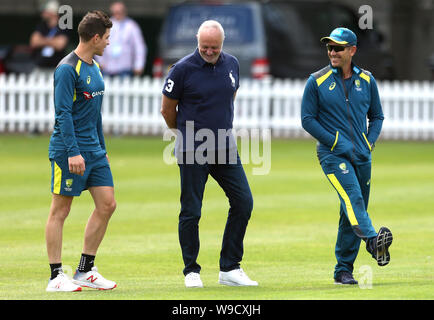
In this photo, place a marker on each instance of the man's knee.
(248, 203)
(108, 207)
(111, 207)
(244, 205)
(60, 207)
(59, 213)
(189, 215)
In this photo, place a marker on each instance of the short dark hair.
(94, 22)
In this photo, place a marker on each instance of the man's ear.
(95, 38)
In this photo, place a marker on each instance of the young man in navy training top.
(336, 102)
(78, 155)
(203, 86)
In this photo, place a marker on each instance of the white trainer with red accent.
(93, 279)
(62, 283)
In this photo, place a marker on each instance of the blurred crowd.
(49, 43)
(128, 51)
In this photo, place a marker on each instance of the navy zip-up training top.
(78, 93)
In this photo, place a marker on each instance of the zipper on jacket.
(349, 116)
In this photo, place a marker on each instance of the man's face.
(210, 43)
(101, 42)
(339, 59)
(118, 11)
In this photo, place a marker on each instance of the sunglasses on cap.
(331, 47)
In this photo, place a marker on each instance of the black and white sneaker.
(379, 246)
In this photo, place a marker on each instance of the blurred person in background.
(126, 55)
(48, 41)
(337, 102)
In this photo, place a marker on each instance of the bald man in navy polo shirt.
(203, 86)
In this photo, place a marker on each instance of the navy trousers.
(233, 181)
(352, 183)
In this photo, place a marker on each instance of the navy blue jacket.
(335, 112)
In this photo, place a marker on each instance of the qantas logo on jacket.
(89, 96)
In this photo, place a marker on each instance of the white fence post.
(132, 106)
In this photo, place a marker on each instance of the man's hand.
(76, 165)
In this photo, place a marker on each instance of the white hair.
(208, 24)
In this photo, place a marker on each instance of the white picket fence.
(132, 106)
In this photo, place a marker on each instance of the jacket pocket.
(367, 142)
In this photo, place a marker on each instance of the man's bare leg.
(59, 210)
(96, 227)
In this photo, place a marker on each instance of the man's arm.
(172, 91)
(309, 112)
(64, 84)
(58, 42)
(100, 133)
(375, 115)
(139, 50)
(168, 111)
(37, 40)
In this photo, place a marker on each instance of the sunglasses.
(331, 47)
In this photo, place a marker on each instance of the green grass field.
(289, 245)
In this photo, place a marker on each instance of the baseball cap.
(342, 36)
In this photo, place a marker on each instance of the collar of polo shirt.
(203, 63)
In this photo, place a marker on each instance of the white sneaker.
(92, 279)
(192, 280)
(62, 283)
(236, 277)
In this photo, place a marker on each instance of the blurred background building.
(405, 29)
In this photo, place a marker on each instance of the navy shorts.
(97, 173)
